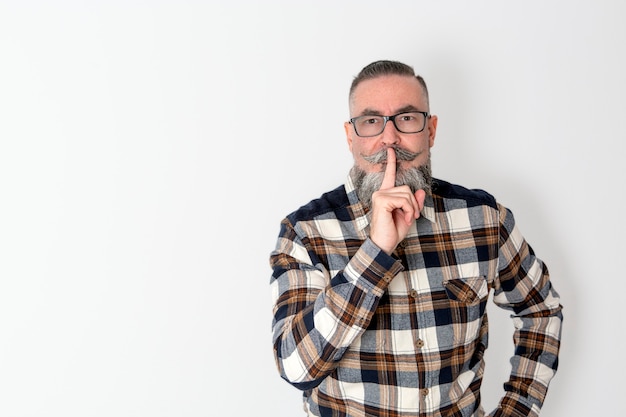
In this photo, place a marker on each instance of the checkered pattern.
(362, 333)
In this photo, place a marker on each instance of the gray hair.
(381, 68)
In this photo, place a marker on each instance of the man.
(380, 286)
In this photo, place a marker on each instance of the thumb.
(420, 196)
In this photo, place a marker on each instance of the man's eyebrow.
(407, 109)
(373, 112)
(370, 112)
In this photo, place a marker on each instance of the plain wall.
(149, 150)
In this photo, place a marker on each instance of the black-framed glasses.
(406, 122)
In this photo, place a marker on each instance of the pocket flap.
(467, 290)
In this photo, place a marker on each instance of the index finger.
(389, 179)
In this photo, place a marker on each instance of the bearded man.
(380, 286)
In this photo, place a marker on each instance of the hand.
(394, 209)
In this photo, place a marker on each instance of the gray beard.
(417, 178)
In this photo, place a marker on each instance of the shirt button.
(387, 278)
(419, 343)
(403, 244)
(424, 392)
(413, 293)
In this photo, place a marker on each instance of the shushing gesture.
(394, 209)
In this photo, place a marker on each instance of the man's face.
(387, 96)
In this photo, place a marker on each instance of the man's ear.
(432, 130)
(349, 131)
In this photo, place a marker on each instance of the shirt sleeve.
(523, 287)
(317, 316)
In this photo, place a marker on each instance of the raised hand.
(394, 209)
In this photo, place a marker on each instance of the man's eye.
(371, 121)
(407, 117)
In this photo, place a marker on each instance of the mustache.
(380, 157)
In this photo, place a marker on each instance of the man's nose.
(390, 134)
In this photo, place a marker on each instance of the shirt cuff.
(372, 268)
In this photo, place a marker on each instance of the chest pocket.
(469, 291)
(467, 301)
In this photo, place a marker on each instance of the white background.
(149, 150)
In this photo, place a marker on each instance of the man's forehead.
(378, 94)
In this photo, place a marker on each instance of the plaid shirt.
(363, 333)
